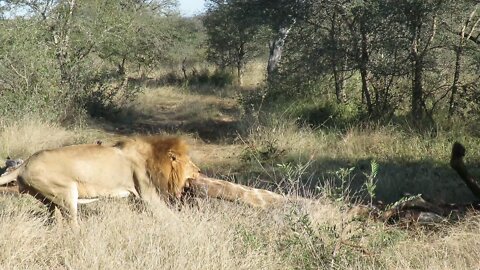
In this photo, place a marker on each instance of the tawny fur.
(215, 188)
(152, 168)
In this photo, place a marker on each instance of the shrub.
(327, 113)
(105, 99)
(221, 78)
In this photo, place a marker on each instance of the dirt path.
(210, 122)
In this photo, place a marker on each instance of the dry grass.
(255, 74)
(175, 104)
(24, 137)
(381, 143)
(115, 237)
(408, 162)
(387, 142)
(456, 247)
(223, 235)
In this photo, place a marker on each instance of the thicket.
(356, 60)
(65, 59)
(329, 62)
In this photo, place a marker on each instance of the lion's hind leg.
(63, 198)
(51, 206)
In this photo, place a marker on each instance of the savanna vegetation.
(344, 102)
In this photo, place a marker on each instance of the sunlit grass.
(223, 235)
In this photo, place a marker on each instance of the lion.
(151, 168)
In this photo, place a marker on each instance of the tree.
(466, 29)
(356, 16)
(232, 35)
(83, 42)
(418, 21)
(279, 16)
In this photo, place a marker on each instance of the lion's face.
(191, 172)
(185, 171)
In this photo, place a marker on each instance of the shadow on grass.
(212, 119)
(209, 130)
(395, 179)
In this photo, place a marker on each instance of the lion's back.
(86, 164)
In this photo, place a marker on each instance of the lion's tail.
(220, 189)
(10, 176)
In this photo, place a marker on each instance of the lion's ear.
(172, 156)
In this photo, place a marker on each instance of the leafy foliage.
(233, 36)
(70, 56)
(385, 58)
(370, 183)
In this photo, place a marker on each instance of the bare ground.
(210, 124)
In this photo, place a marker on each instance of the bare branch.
(456, 162)
(430, 38)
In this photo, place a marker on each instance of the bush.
(330, 114)
(221, 78)
(171, 78)
(305, 111)
(205, 77)
(105, 99)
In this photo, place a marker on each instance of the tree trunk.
(337, 74)
(240, 64)
(458, 58)
(417, 90)
(456, 79)
(240, 71)
(365, 90)
(364, 73)
(418, 62)
(339, 82)
(276, 49)
(61, 40)
(121, 67)
(184, 69)
(417, 78)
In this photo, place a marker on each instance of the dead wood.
(457, 163)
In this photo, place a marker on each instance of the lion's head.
(169, 164)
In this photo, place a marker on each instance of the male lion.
(152, 168)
